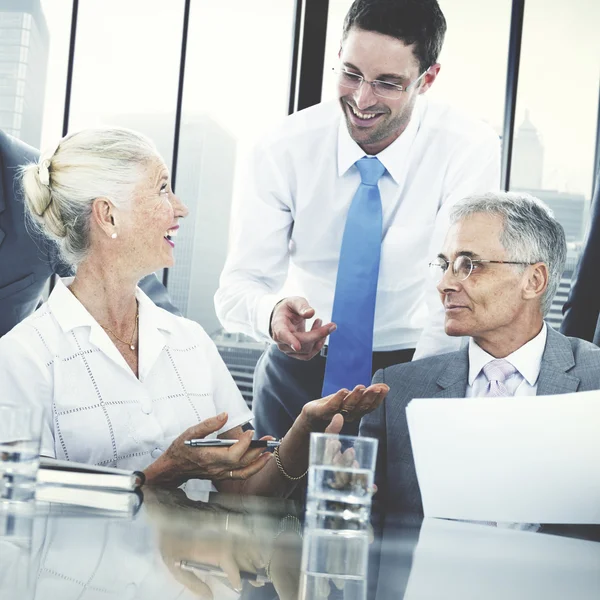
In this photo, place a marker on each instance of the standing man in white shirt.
(341, 211)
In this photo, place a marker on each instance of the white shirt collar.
(153, 321)
(393, 158)
(70, 313)
(527, 359)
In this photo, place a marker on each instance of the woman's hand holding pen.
(181, 462)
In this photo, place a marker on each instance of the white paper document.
(521, 459)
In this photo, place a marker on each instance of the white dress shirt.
(527, 360)
(288, 225)
(96, 410)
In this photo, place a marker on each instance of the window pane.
(474, 58)
(335, 20)
(126, 67)
(236, 87)
(556, 119)
(33, 65)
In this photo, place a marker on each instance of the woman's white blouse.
(96, 410)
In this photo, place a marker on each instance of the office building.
(24, 43)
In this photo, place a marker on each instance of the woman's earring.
(114, 235)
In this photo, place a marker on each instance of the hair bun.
(38, 199)
(44, 172)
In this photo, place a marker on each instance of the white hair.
(93, 163)
(531, 233)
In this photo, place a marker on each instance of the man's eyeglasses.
(463, 266)
(384, 89)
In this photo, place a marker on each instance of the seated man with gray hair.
(497, 274)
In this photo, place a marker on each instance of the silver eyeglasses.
(463, 266)
(384, 89)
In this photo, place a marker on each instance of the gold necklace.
(130, 343)
(135, 327)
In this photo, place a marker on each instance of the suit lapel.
(454, 378)
(556, 361)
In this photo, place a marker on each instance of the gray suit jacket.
(568, 365)
(27, 259)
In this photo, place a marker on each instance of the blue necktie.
(350, 351)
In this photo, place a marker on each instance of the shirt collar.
(393, 158)
(527, 359)
(70, 313)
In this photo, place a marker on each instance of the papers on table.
(521, 459)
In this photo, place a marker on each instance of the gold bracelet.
(283, 471)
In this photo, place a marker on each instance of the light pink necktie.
(497, 372)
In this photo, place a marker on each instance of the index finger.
(191, 582)
(284, 335)
(241, 452)
(367, 400)
(334, 401)
(227, 563)
(315, 335)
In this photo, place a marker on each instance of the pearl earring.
(114, 235)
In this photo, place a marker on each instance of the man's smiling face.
(375, 122)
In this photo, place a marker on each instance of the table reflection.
(258, 549)
(334, 564)
(454, 559)
(173, 548)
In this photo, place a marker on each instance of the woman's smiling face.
(151, 223)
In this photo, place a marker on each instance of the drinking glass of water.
(340, 478)
(20, 436)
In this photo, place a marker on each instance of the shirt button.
(130, 591)
(146, 408)
(156, 453)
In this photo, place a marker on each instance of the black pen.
(223, 443)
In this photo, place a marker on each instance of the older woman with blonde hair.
(123, 382)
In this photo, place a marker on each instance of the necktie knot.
(498, 370)
(370, 170)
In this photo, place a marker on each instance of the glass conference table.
(252, 548)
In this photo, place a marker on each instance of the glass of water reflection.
(20, 436)
(334, 564)
(340, 477)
